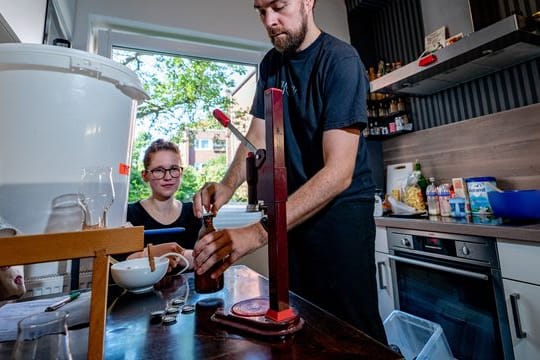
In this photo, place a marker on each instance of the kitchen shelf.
(483, 52)
(379, 126)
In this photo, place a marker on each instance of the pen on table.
(63, 302)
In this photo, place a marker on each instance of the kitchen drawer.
(524, 316)
(519, 260)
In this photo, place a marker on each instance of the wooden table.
(131, 334)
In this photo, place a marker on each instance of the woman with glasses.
(163, 173)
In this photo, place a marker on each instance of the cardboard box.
(460, 190)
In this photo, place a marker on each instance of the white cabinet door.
(519, 260)
(524, 316)
(384, 285)
(381, 239)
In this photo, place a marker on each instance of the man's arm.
(340, 148)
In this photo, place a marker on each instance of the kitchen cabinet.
(521, 280)
(384, 276)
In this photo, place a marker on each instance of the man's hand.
(227, 245)
(211, 197)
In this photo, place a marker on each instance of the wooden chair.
(99, 244)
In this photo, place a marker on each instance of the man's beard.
(292, 41)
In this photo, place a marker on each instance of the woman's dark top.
(138, 216)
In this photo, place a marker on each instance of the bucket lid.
(16, 56)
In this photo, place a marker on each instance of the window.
(170, 112)
(202, 144)
(220, 145)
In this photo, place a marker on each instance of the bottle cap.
(188, 309)
(168, 319)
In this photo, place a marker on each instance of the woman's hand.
(161, 249)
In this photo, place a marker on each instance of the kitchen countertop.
(483, 227)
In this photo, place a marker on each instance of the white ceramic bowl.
(135, 275)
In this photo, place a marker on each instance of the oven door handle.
(440, 267)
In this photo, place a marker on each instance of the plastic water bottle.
(444, 200)
(432, 198)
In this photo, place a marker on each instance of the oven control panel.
(452, 246)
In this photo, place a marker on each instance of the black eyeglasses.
(159, 173)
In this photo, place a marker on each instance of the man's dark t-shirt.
(318, 95)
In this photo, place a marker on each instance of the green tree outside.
(183, 92)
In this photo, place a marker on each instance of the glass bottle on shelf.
(371, 74)
(401, 104)
(432, 198)
(393, 107)
(382, 110)
(204, 282)
(380, 69)
(422, 182)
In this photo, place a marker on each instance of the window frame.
(201, 46)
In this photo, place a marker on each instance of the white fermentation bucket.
(61, 109)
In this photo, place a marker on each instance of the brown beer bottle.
(204, 283)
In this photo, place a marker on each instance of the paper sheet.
(12, 313)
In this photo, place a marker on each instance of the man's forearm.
(311, 197)
(339, 149)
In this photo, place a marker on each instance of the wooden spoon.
(151, 259)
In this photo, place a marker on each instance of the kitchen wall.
(504, 145)
(507, 89)
(219, 21)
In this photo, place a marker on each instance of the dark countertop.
(468, 226)
(130, 334)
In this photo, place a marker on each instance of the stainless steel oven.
(455, 281)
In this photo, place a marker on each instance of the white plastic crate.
(416, 338)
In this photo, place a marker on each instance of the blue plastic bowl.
(515, 204)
